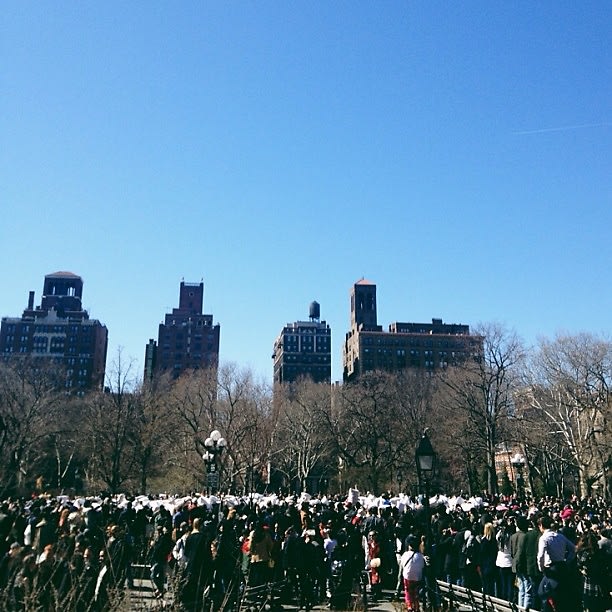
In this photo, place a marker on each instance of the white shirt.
(99, 581)
(554, 547)
(504, 557)
(178, 552)
(329, 545)
(412, 564)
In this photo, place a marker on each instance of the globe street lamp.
(426, 464)
(518, 463)
(425, 459)
(215, 443)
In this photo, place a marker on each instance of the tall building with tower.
(187, 339)
(59, 332)
(405, 345)
(303, 349)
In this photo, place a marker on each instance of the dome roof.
(62, 274)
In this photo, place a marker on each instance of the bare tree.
(570, 388)
(155, 430)
(413, 392)
(110, 427)
(29, 407)
(65, 448)
(244, 407)
(228, 400)
(480, 394)
(193, 397)
(302, 442)
(374, 424)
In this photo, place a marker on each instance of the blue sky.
(457, 154)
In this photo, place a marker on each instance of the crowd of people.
(62, 553)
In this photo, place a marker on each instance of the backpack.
(470, 550)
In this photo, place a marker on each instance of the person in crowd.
(24, 589)
(531, 560)
(52, 580)
(374, 563)
(161, 548)
(595, 573)
(102, 589)
(342, 573)
(198, 569)
(555, 552)
(291, 561)
(568, 524)
(487, 557)
(329, 546)
(429, 593)
(10, 564)
(460, 549)
(470, 553)
(260, 555)
(45, 531)
(310, 569)
(399, 550)
(374, 522)
(505, 576)
(228, 551)
(305, 517)
(84, 582)
(412, 565)
(518, 552)
(178, 550)
(450, 555)
(119, 557)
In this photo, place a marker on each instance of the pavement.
(142, 597)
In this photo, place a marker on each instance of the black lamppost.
(426, 464)
(518, 463)
(215, 443)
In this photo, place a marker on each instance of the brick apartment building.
(303, 349)
(59, 332)
(187, 339)
(405, 345)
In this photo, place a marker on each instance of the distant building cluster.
(60, 331)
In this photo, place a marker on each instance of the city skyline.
(455, 155)
(384, 326)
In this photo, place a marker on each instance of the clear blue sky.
(457, 154)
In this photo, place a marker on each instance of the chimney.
(31, 301)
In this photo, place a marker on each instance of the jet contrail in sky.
(564, 128)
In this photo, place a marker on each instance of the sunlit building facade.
(303, 350)
(59, 331)
(187, 339)
(404, 345)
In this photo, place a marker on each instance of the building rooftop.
(62, 274)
